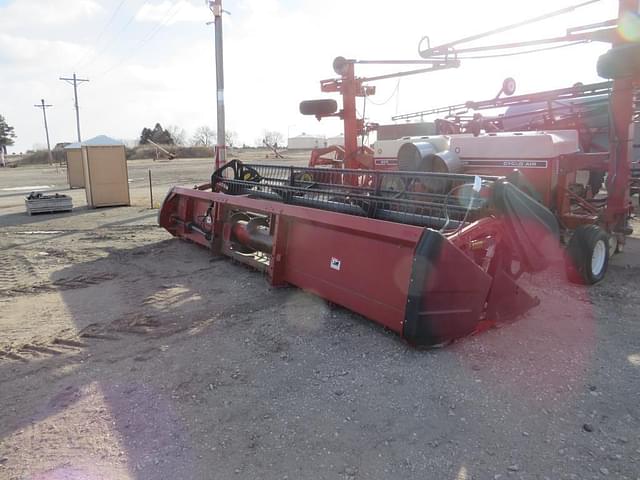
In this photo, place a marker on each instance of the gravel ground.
(126, 354)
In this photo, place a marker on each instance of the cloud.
(276, 52)
(169, 13)
(18, 15)
(23, 51)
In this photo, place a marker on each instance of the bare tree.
(272, 137)
(230, 137)
(178, 134)
(204, 136)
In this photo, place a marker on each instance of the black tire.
(586, 262)
(320, 108)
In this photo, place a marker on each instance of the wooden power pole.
(44, 107)
(74, 81)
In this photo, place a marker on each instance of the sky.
(151, 61)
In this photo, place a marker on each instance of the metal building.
(306, 142)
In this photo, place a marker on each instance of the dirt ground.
(126, 354)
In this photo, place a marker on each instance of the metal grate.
(436, 200)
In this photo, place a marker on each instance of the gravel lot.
(126, 354)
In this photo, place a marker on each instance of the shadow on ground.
(187, 366)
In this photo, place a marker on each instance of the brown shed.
(75, 172)
(105, 172)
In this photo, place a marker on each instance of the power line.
(135, 50)
(132, 18)
(114, 37)
(44, 107)
(102, 32)
(74, 81)
(115, 12)
(168, 17)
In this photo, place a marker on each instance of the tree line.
(203, 136)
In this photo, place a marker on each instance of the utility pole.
(74, 81)
(216, 8)
(44, 107)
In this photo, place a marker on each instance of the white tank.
(516, 145)
(386, 151)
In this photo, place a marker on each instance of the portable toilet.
(106, 178)
(75, 172)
